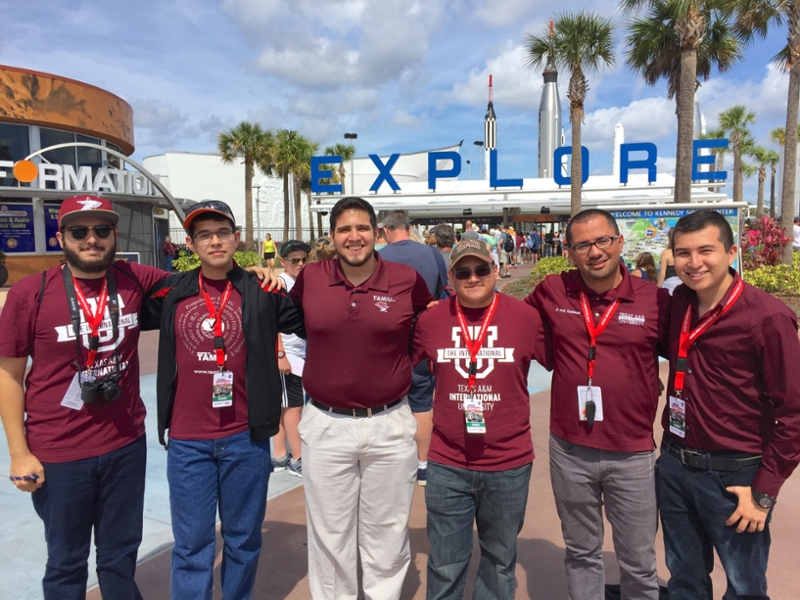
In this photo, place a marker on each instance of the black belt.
(358, 413)
(699, 460)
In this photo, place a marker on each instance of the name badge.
(72, 398)
(588, 394)
(222, 395)
(677, 416)
(473, 413)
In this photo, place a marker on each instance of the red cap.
(86, 205)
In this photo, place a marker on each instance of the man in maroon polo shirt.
(359, 456)
(732, 421)
(603, 346)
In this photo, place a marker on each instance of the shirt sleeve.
(442, 270)
(664, 300)
(542, 330)
(147, 276)
(17, 322)
(418, 353)
(290, 317)
(420, 295)
(781, 347)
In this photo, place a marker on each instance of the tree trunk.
(343, 177)
(683, 155)
(311, 218)
(298, 210)
(790, 146)
(285, 205)
(720, 166)
(772, 194)
(576, 170)
(250, 242)
(762, 177)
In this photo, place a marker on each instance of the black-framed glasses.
(297, 260)
(465, 273)
(223, 235)
(602, 243)
(79, 232)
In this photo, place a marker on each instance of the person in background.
(667, 276)
(445, 239)
(323, 250)
(491, 240)
(291, 360)
(796, 235)
(536, 245)
(380, 241)
(645, 267)
(268, 251)
(170, 251)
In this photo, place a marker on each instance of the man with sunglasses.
(219, 393)
(76, 432)
(481, 452)
(603, 331)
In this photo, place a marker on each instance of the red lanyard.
(92, 319)
(594, 332)
(687, 338)
(216, 314)
(474, 346)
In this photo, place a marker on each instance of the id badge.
(473, 412)
(677, 416)
(595, 394)
(72, 398)
(222, 395)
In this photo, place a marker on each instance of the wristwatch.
(763, 500)
(281, 353)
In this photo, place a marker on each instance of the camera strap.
(77, 302)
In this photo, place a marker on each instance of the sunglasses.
(79, 232)
(480, 271)
(297, 260)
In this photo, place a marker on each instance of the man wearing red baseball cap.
(76, 430)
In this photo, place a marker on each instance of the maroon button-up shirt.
(626, 367)
(358, 336)
(742, 386)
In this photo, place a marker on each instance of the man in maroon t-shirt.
(732, 419)
(76, 432)
(481, 451)
(359, 456)
(606, 329)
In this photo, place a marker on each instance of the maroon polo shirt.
(626, 367)
(742, 384)
(358, 336)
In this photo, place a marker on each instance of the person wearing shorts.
(268, 251)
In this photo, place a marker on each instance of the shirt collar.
(624, 291)
(379, 280)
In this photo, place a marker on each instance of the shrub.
(550, 266)
(777, 279)
(187, 261)
(762, 244)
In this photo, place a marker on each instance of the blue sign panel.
(16, 228)
(51, 227)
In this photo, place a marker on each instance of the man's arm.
(12, 412)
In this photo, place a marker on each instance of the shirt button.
(689, 371)
(352, 304)
(596, 314)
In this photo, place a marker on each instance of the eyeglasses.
(297, 260)
(223, 235)
(480, 271)
(79, 232)
(602, 243)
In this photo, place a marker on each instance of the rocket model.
(489, 131)
(549, 117)
(619, 139)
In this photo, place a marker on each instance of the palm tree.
(680, 41)
(302, 182)
(753, 18)
(581, 41)
(252, 144)
(718, 153)
(347, 152)
(735, 121)
(761, 156)
(773, 158)
(287, 158)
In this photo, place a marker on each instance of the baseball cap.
(293, 246)
(205, 207)
(469, 247)
(77, 207)
(483, 227)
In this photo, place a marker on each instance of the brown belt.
(357, 413)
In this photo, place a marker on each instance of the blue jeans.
(494, 500)
(104, 493)
(694, 507)
(231, 473)
(169, 258)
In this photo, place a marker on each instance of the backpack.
(508, 243)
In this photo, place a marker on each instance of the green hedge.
(550, 266)
(780, 279)
(187, 261)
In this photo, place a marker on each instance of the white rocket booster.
(549, 118)
(489, 131)
(619, 139)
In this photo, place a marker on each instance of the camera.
(106, 388)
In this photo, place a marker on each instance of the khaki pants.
(359, 477)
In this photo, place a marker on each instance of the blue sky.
(406, 75)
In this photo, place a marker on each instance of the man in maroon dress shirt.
(605, 337)
(359, 456)
(732, 420)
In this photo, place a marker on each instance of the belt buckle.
(682, 456)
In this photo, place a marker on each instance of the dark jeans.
(694, 506)
(232, 473)
(495, 501)
(104, 493)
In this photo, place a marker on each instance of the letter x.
(384, 172)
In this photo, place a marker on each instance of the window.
(14, 146)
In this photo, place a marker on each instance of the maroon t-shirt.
(742, 384)
(626, 368)
(57, 433)
(513, 339)
(193, 415)
(358, 336)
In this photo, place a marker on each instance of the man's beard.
(359, 263)
(97, 265)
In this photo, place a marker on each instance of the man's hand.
(749, 514)
(431, 304)
(269, 281)
(26, 466)
(284, 366)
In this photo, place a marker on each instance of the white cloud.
(646, 120)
